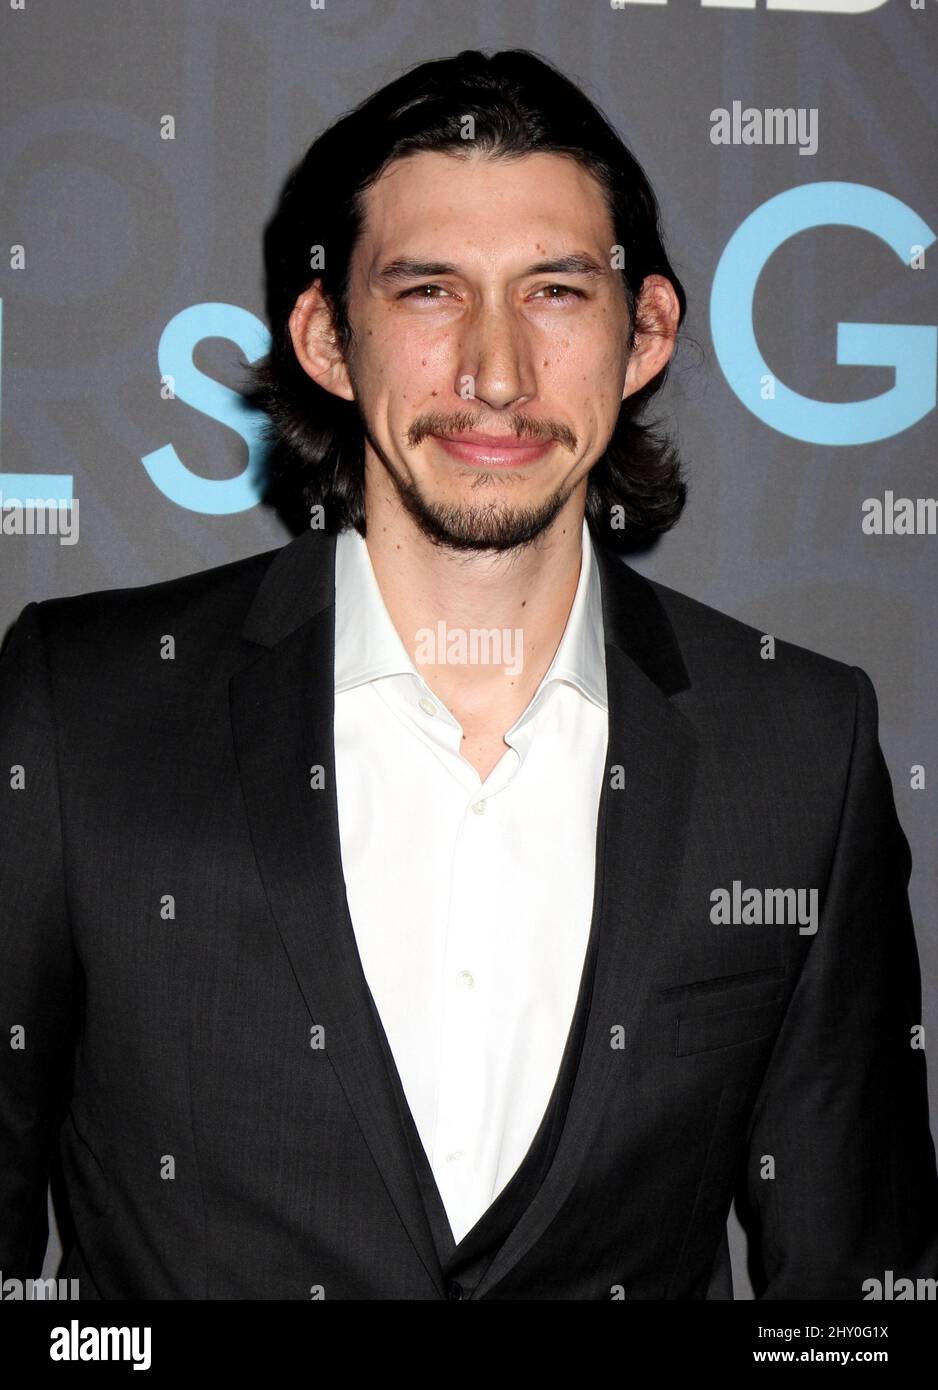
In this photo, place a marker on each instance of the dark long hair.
(520, 105)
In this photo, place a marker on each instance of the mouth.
(493, 450)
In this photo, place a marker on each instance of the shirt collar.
(367, 644)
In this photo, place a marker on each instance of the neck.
(524, 594)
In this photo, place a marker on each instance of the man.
(435, 907)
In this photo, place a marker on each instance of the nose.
(495, 365)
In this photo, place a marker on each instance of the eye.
(564, 292)
(421, 292)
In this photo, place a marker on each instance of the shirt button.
(479, 808)
(427, 705)
(465, 978)
(454, 1154)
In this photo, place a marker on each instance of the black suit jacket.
(175, 927)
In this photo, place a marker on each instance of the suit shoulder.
(718, 647)
(217, 598)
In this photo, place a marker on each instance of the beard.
(492, 525)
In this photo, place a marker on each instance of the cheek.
(587, 350)
(586, 375)
(608, 376)
(405, 362)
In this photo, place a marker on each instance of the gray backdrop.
(115, 238)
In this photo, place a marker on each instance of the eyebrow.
(399, 270)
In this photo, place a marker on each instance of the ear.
(316, 343)
(657, 316)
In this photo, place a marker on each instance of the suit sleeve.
(843, 1109)
(40, 977)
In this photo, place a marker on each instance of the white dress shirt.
(471, 901)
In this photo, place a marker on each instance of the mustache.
(522, 426)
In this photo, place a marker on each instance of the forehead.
(438, 203)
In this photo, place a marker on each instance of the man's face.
(483, 303)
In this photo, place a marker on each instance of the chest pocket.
(726, 1011)
(729, 1027)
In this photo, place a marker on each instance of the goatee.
(479, 527)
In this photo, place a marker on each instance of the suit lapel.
(282, 718)
(640, 844)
